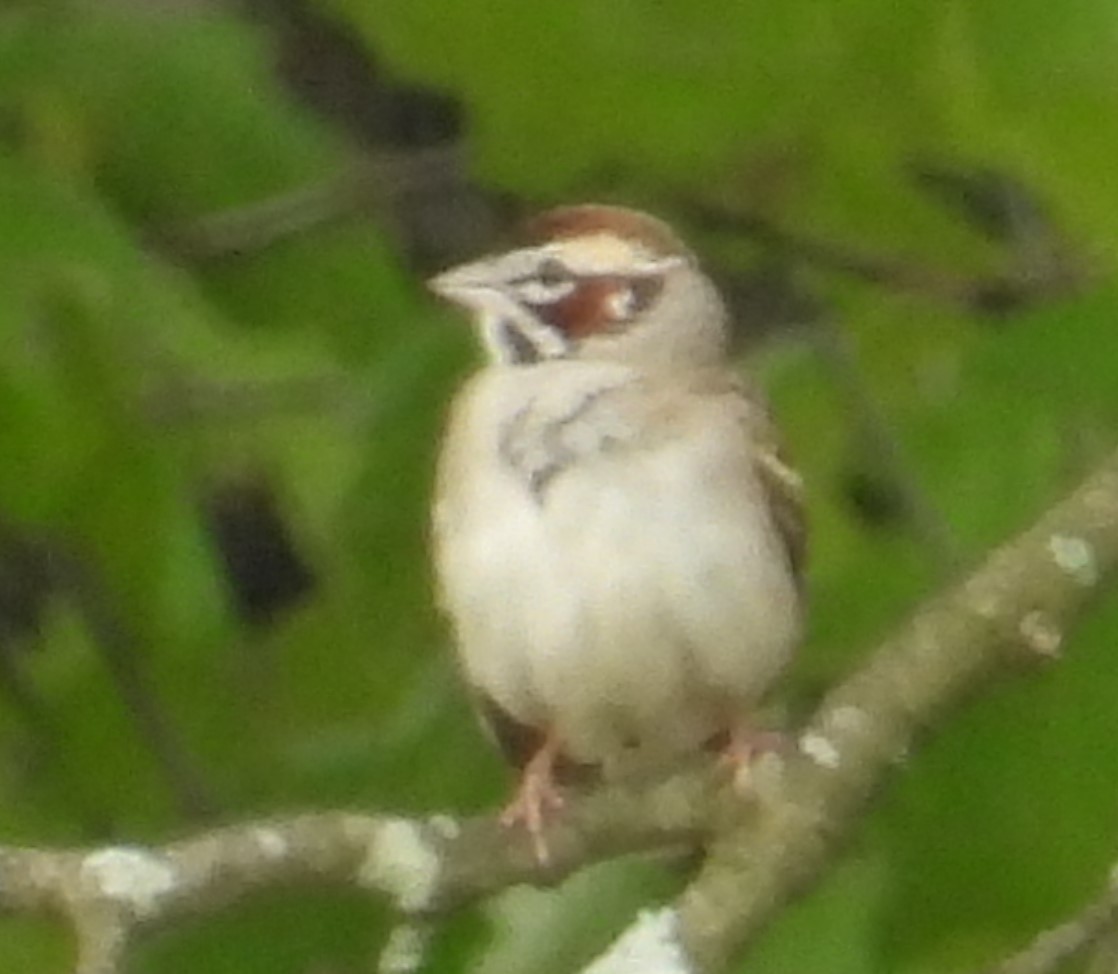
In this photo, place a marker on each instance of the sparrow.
(618, 539)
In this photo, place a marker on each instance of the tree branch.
(1042, 267)
(1015, 609)
(422, 865)
(1053, 948)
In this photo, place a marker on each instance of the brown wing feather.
(784, 491)
(516, 741)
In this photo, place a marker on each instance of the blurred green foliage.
(130, 387)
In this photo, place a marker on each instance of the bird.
(618, 537)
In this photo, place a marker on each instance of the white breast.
(642, 599)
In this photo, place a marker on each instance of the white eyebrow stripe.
(605, 254)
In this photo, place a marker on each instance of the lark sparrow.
(618, 540)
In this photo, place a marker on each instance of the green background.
(131, 385)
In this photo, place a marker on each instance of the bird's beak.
(467, 285)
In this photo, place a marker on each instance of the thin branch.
(122, 653)
(247, 229)
(102, 935)
(1021, 285)
(879, 442)
(371, 186)
(1053, 948)
(111, 894)
(186, 403)
(407, 948)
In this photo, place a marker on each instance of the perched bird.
(618, 541)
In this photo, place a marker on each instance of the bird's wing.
(783, 488)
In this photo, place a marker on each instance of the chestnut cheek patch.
(599, 304)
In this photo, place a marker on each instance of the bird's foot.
(745, 746)
(536, 796)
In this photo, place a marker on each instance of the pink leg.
(746, 744)
(536, 795)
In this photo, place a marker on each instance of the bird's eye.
(552, 273)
